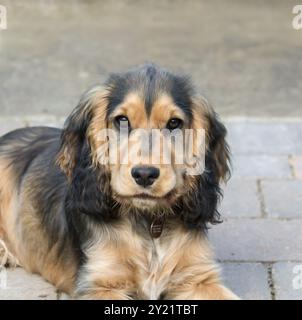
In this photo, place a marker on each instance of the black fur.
(89, 191)
(199, 206)
(150, 80)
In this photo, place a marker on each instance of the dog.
(99, 230)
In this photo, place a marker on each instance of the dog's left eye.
(174, 123)
(122, 121)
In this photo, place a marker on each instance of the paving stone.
(21, 285)
(296, 162)
(288, 280)
(10, 124)
(265, 137)
(261, 166)
(283, 198)
(257, 240)
(240, 199)
(248, 280)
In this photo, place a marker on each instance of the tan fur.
(171, 175)
(66, 158)
(163, 110)
(94, 105)
(123, 265)
(202, 112)
(133, 107)
(98, 123)
(23, 235)
(8, 206)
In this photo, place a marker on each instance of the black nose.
(145, 176)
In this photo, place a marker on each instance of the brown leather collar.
(156, 227)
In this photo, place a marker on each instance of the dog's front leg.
(202, 291)
(198, 282)
(100, 285)
(195, 274)
(102, 292)
(106, 276)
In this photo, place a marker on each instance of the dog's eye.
(174, 123)
(122, 121)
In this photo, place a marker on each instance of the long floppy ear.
(89, 184)
(199, 205)
(218, 152)
(91, 109)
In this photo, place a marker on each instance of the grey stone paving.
(265, 166)
(248, 280)
(19, 285)
(276, 204)
(288, 280)
(296, 162)
(266, 138)
(258, 240)
(241, 199)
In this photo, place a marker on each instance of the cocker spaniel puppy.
(101, 229)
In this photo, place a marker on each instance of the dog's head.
(146, 102)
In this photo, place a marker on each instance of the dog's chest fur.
(154, 282)
(134, 262)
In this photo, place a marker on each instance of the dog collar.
(156, 227)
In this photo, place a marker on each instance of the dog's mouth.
(145, 198)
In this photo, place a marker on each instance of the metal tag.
(156, 227)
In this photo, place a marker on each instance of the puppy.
(117, 229)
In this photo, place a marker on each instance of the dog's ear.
(89, 183)
(91, 108)
(199, 204)
(217, 148)
(89, 191)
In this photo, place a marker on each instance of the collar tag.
(156, 227)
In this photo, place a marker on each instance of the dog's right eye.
(122, 121)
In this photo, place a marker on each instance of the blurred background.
(244, 56)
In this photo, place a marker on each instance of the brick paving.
(259, 244)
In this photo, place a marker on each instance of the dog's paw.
(7, 259)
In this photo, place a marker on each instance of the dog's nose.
(145, 176)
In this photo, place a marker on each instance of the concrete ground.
(244, 55)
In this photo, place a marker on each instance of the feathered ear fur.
(218, 152)
(89, 191)
(218, 148)
(89, 183)
(199, 205)
(80, 126)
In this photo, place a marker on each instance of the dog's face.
(148, 100)
(142, 182)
